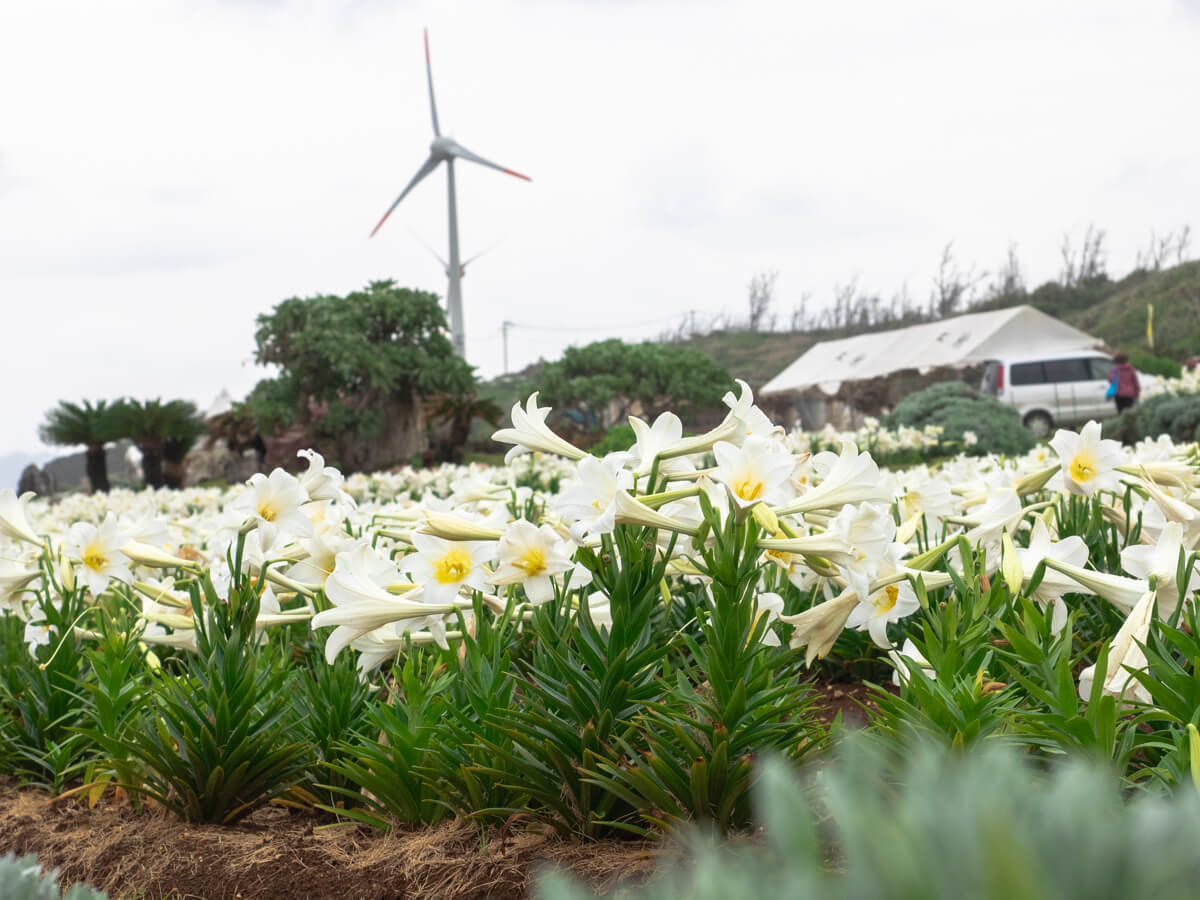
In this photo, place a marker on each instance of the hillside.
(1114, 311)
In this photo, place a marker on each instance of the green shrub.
(1175, 414)
(943, 825)
(618, 437)
(1154, 365)
(957, 408)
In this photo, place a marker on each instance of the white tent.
(960, 341)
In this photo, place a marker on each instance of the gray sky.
(169, 169)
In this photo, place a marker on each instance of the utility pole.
(504, 326)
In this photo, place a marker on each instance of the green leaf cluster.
(612, 374)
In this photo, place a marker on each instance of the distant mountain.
(13, 464)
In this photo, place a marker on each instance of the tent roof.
(1017, 330)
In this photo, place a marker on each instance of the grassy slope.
(1114, 312)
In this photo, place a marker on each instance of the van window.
(1101, 366)
(1061, 370)
(1027, 373)
(990, 375)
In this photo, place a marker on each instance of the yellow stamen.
(748, 489)
(1083, 467)
(94, 559)
(533, 561)
(887, 599)
(267, 511)
(452, 567)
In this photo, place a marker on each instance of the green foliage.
(582, 690)
(92, 425)
(384, 765)
(38, 691)
(618, 437)
(345, 362)
(942, 827)
(73, 424)
(736, 698)
(1175, 414)
(331, 704)
(162, 431)
(588, 380)
(21, 878)
(956, 408)
(1147, 362)
(214, 746)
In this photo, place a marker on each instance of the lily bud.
(1010, 564)
(149, 555)
(452, 528)
(66, 571)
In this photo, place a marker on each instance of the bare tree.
(799, 320)
(1162, 249)
(1009, 279)
(845, 298)
(953, 288)
(1088, 262)
(761, 299)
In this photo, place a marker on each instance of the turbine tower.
(445, 150)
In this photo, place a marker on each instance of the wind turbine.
(445, 150)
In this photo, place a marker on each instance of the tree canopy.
(351, 368)
(605, 380)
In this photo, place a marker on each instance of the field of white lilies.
(598, 647)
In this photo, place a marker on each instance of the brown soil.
(847, 698)
(283, 855)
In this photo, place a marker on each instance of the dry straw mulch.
(281, 854)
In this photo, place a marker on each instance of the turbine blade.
(428, 166)
(463, 152)
(437, 132)
(426, 245)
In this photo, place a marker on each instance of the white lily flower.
(99, 549)
(853, 478)
(769, 604)
(361, 605)
(909, 651)
(322, 482)
(1088, 462)
(890, 603)
(529, 432)
(274, 503)
(531, 556)
(589, 500)
(1125, 656)
(1161, 561)
(751, 421)
(818, 628)
(443, 568)
(1121, 592)
(758, 471)
(1054, 584)
(14, 578)
(653, 440)
(13, 520)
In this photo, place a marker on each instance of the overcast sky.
(170, 170)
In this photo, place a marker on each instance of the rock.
(36, 480)
(213, 461)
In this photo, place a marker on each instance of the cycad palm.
(72, 424)
(160, 430)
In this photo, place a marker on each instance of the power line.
(608, 327)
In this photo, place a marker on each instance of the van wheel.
(1040, 424)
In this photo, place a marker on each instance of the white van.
(1048, 391)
